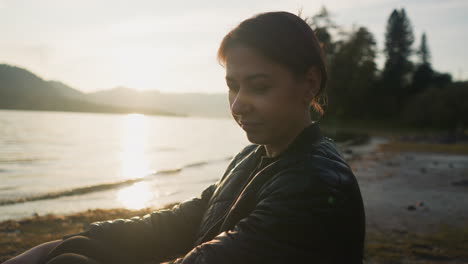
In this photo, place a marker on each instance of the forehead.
(242, 62)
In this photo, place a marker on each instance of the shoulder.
(324, 160)
(320, 167)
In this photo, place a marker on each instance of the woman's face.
(265, 98)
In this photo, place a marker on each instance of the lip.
(249, 125)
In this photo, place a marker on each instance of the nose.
(240, 103)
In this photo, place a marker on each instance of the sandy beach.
(416, 207)
(416, 203)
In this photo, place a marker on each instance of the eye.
(260, 89)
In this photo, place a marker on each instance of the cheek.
(273, 108)
(284, 100)
(284, 107)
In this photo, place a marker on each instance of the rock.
(411, 208)
(423, 170)
(420, 204)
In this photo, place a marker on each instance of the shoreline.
(415, 204)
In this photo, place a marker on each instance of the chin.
(257, 139)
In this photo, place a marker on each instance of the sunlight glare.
(134, 161)
(136, 196)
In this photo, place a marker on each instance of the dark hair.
(284, 38)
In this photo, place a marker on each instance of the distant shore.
(415, 201)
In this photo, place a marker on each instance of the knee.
(71, 258)
(76, 245)
(75, 242)
(86, 247)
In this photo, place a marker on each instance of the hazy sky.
(171, 45)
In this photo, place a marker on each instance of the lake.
(62, 162)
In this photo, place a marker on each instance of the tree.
(423, 51)
(352, 76)
(424, 74)
(324, 26)
(440, 108)
(397, 71)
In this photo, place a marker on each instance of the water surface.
(60, 162)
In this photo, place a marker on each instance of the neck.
(273, 150)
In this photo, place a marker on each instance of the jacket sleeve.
(161, 235)
(294, 217)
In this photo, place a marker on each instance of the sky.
(171, 46)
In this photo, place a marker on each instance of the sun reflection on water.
(136, 196)
(134, 161)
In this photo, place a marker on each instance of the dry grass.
(18, 236)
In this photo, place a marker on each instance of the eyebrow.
(250, 77)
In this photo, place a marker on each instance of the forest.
(406, 92)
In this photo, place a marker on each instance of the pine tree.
(423, 52)
(424, 74)
(396, 76)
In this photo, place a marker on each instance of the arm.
(35, 254)
(173, 230)
(160, 235)
(293, 220)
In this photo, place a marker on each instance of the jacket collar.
(308, 136)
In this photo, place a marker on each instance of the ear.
(313, 78)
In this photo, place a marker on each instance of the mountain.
(21, 89)
(66, 91)
(192, 104)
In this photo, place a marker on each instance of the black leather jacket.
(305, 206)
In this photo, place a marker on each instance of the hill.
(192, 104)
(22, 89)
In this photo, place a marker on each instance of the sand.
(411, 191)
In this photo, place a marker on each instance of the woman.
(288, 197)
